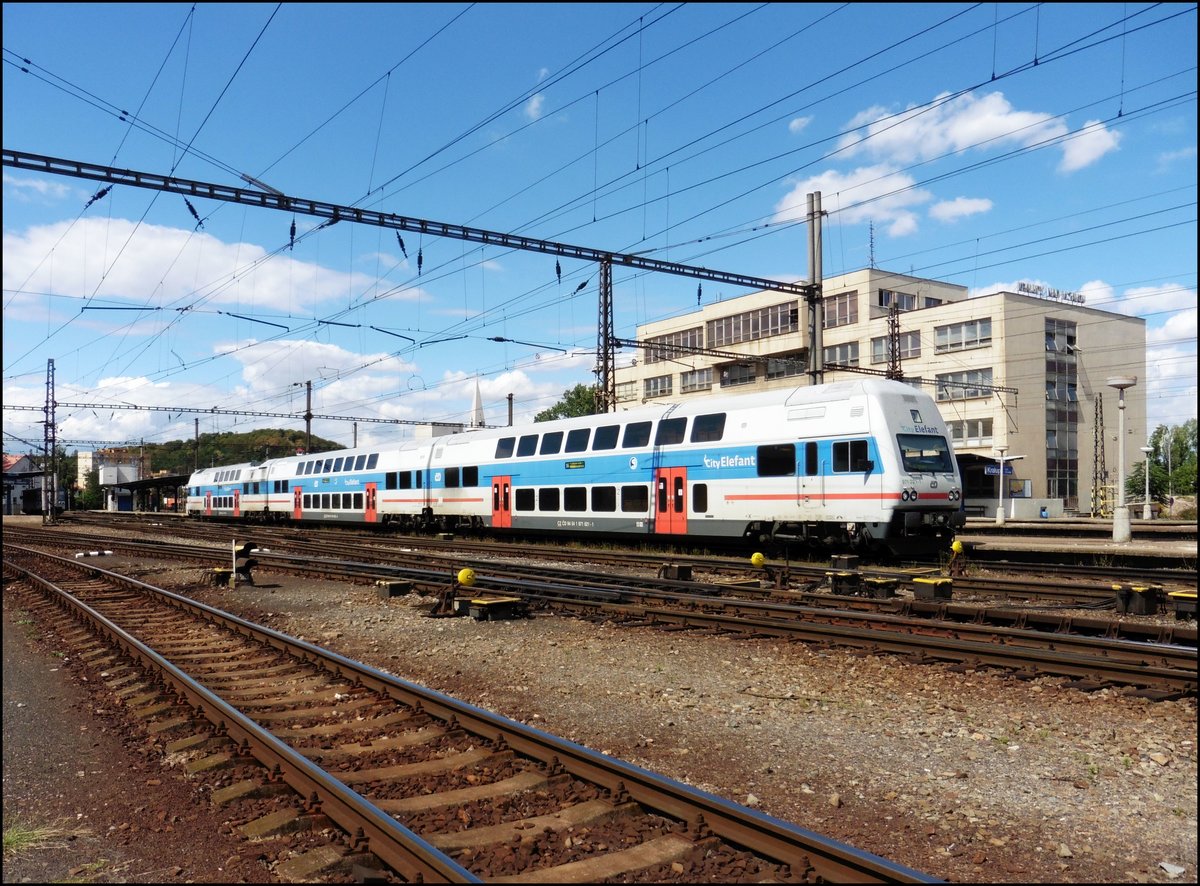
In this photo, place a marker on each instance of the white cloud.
(533, 107)
(967, 121)
(1087, 146)
(959, 207)
(798, 124)
(1168, 159)
(167, 267)
(25, 189)
(877, 193)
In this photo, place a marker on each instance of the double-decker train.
(857, 465)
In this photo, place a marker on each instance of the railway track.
(1152, 659)
(428, 787)
(1065, 583)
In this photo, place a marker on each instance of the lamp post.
(1146, 500)
(1121, 531)
(1000, 502)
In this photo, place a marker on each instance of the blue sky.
(977, 144)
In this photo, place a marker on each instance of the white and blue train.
(856, 465)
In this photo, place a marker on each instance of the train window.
(358, 501)
(246, 489)
(635, 499)
(575, 498)
(851, 456)
(920, 452)
(504, 447)
(328, 466)
(606, 437)
(777, 460)
(324, 501)
(470, 476)
(337, 465)
(527, 445)
(417, 475)
(551, 443)
(547, 499)
(451, 478)
(406, 479)
(360, 462)
(523, 499)
(307, 501)
(699, 498)
(670, 430)
(811, 466)
(604, 498)
(708, 428)
(577, 440)
(636, 434)
(391, 480)
(372, 461)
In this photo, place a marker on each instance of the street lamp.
(1146, 500)
(1121, 531)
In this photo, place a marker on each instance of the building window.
(971, 432)
(846, 354)
(840, 310)
(963, 336)
(787, 365)
(910, 346)
(673, 344)
(626, 390)
(659, 386)
(904, 300)
(962, 385)
(738, 374)
(695, 380)
(753, 325)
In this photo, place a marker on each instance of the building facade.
(1023, 370)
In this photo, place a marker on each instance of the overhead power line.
(215, 411)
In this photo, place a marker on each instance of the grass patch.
(22, 836)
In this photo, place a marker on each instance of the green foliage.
(1174, 448)
(184, 456)
(91, 497)
(577, 401)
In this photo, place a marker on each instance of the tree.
(577, 401)
(92, 497)
(1180, 442)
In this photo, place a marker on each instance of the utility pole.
(606, 376)
(50, 457)
(894, 370)
(816, 310)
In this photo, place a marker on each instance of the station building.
(1023, 370)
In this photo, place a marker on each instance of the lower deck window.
(575, 498)
(604, 498)
(548, 499)
(523, 500)
(635, 499)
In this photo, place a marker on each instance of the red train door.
(502, 502)
(371, 512)
(670, 506)
(237, 503)
(297, 502)
(208, 504)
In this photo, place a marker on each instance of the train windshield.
(925, 453)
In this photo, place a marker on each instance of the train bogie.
(864, 464)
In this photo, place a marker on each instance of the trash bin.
(1045, 513)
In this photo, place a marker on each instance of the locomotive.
(863, 465)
